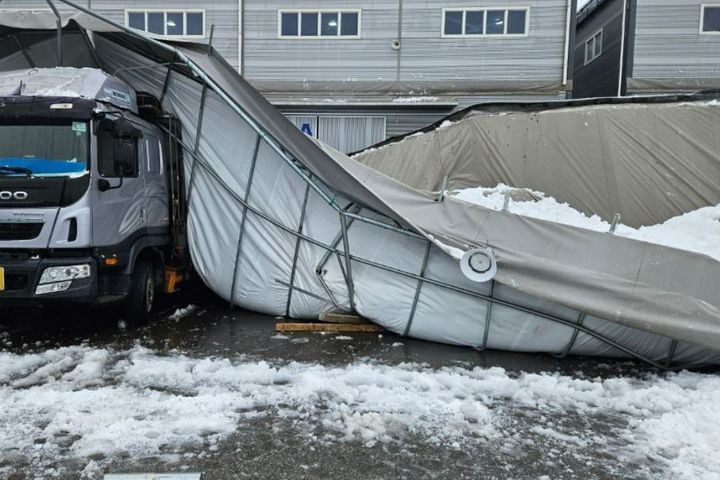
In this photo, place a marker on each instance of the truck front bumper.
(23, 276)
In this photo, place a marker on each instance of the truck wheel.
(141, 297)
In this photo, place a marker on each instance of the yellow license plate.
(2, 279)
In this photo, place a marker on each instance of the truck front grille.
(20, 231)
(15, 282)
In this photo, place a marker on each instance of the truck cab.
(90, 192)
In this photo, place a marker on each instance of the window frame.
(506, 9)
(165, 11)
(587, 42)
(318, 11)
(148, 168)
(136, 159)
(703, 6)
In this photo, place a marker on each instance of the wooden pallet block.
(328, 327)
(343, 318)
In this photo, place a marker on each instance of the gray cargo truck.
(91, 206)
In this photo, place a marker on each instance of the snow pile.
(182, 312)
(697, 231)
(96, 405)
(415, 99)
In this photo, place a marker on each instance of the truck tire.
(141, 297)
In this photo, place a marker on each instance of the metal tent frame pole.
(59, 27)
(297, 250)
(196, 148)
(24, 52)
(241, 232)
(488, 317)
(573, 338)
(416, 298)
(348, 262)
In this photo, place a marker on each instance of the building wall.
(425, 61)
(370, 58)
(670, 53)
(538, 57)
(599, 77)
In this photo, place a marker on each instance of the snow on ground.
(182, 312)
(96, 404)
(696, 231)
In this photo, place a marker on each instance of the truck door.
(119, 206)
(157, 208)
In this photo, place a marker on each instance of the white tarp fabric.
(283, 225)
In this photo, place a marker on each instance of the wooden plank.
(328, 327)
(343, 318)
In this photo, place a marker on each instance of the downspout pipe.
(621, 67)
(566, 53)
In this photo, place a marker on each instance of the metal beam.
(488, 317)
(24, 52)
(245, 204)
(297, 250)
(671, 353)
(571, 343)
(348, 262)
(93, 51)
(166, 83)
(210, 40)
(301, 290)
(417, 290)
(196, 148)
(58, 22)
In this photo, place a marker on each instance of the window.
(168, 23)
(319, 23)
(154, 156)
(50, 149)
(710, 19)
(473, 22)
(593, 47)
(117, 150)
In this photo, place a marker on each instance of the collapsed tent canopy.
(282, 224)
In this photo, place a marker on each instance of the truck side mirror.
(104, 185)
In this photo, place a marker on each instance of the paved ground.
(269, 448)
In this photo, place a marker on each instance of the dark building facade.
(636, 47)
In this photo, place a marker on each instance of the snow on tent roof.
(88, 83)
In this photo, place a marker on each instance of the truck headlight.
(58, 279)
(53, 287)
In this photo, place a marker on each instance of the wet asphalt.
(270, 448)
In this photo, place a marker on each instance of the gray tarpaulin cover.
(284, 225)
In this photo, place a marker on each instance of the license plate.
(2, 279)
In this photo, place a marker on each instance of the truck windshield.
(44, 150)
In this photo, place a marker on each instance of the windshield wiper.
(5, 169)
